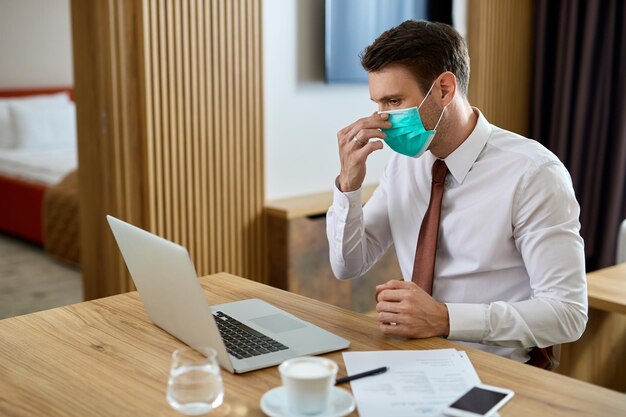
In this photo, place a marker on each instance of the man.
(500, 260)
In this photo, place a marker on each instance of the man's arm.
(546, 233)
(357, 236)
(354, 244)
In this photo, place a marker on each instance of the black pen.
(361, 375)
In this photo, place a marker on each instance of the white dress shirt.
(510, 262)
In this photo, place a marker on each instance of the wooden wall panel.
(111, 157)
(170, 131)
(500, 43)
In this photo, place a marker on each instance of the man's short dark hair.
(425, 48)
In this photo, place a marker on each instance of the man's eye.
(394, 102)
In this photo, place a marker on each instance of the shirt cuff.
(468, 322)
(344, 202)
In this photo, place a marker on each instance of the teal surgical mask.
(407, 134)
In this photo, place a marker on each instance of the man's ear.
(447, 88)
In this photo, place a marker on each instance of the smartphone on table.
(480, 401)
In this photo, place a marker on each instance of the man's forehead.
(392, 71)
(389, 82)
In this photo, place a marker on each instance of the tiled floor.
(30, 280)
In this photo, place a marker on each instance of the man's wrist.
(344, 187)
(445, 324)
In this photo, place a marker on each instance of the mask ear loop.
(428, 93)
(426, 96)
(440, 117)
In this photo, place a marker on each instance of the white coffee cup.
(307, 381)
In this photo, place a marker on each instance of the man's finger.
(390, 318)
(364, 135)
(392, 295)
(379, 120)
(396, 285)
(390, 283)
(393, 329)
(381, 116)
(382, 287)
(360, 151)
(346, 129)
(368, 123)
(370, 147)
(375, 121)
(388, 307)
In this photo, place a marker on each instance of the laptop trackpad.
(278, 323)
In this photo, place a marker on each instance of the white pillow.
(7, 137)
(44, 125)
(8, 134)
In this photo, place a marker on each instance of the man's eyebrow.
(387, 98)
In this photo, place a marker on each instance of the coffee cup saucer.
(274, 404)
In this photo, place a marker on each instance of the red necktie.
(424, 266)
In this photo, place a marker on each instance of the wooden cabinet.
(298, 254)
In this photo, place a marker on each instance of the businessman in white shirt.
(507, 270)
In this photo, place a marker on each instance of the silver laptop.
(247, 335)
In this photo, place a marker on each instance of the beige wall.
(302, 113)
(35, 43)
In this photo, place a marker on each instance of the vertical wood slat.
(500, 47)
(193, 127)
(234, 123)
(204, 83)
(215, 119)
(168, 121)
(158, 177)
(176, 125)
(182, 76)
(228, 152)
(170, 132)
(221, 157)
(244, 126)
(152, 130)
(259, 187)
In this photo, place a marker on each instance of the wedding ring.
(357, 140)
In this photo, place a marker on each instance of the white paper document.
(418, 382)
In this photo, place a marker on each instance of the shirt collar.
(461, 160)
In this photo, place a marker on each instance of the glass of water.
(195, 384)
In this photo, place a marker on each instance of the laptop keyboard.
(242, 341)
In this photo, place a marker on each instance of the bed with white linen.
(46, 167)
(37, 150)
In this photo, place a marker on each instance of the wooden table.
(105, 358)
(599, 356)
(607, 289)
